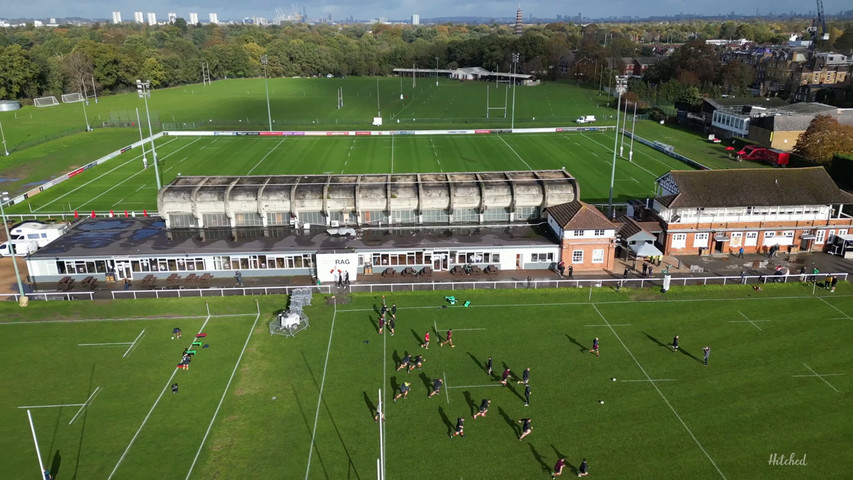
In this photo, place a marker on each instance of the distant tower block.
(416, 19)
(214, 18)
(193, 18)
(519, 16)
(116, 17)
(138, 18)
(172, 18)
(152, 18)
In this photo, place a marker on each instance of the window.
(769, 238)
(526, 213)
(599, 233)
(751, 239)
(278, 218)
(578, 233)
(404, 216)
(679, 240)
(541, 257)
(736, 239)
(374, 217)
(598, 256)
(215, 220)
(248, 219)
(577, 256)
(842, 232)
(820, 235)
(496, 215)
(312, 218)
(436, 216)
(182, 220)
(700, 240)
(466, 215)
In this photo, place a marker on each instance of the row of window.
(374, 217)
(597, 256)
(750, 239)
(186, 264)
(597, 233)
(762, 211)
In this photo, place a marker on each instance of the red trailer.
(770, 155)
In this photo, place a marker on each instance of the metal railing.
(214, 291)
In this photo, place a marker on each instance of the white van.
(27, 237)
(586, 119)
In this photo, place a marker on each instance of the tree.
(16, 72)
(824, 138)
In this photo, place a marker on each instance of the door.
(123, 270)
(440, 261)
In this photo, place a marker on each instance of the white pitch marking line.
(477, 386)
(651, 380)
(265, 156)
(53, 406)
(320, 397)
(848, 317)
(516, 153)
(447, 395)
(140, 188)
(148, 415)
(614, 325)
(655, 386)
(134, 343)
(749, 320)
(118, 202)
(466, 329)
(821, 377)
(227, 386)
(103, 344)
(85, 404)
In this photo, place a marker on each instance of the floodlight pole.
(141, 141)
(414, 68)
(2, 134)
(35, 440)
(378, 108)
(436, 71)
(633, 128)
(143, 89)
(4, 197)
(515, 70)
(624, 121)
(264, 61)
(85, 115)
(620, 88)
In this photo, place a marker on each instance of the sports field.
(122, 183)
(97, 379)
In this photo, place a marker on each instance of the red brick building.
(720, 211)
(586, 236)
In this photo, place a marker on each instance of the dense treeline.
(43, 61)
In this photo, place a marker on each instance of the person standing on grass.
(381, 323)
(394, 311)
(448, 339)
(176, 333)
(174, 388)
(595, 347)
(675, 343)
(489, 366)
(527, 395)
(405, 362)
(426, 341)
(583, 470)
(484, 408)
(833, 283)
(392, 325)
(558, 468)
(706, 353)
(525, 428)
(525, 376)
(384, 309)
(505, 376)
(404, 391)
(460, 426)
(436, 387)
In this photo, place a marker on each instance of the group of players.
(410, 363)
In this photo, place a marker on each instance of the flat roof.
(118, 237)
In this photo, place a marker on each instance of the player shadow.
(396, 357)
(54, 469)
(377, 309)
(660, 344)
(539, 458)
(574, 340)
(307, 426)
(426, 381)
(445, 420)
(560, 454)
(395, 387)
(509, 422)
(472, 407)
(54, 465)
(685, 352)
(512, 389)
(417, 337)
(374, 323)
(370, 406)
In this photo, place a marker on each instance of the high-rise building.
(214, 18)
(116, 17)
(137, 17)
(152, 18)
(416, 19)
(193, 18)
(172, 17)
(519, 18)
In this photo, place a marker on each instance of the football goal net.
(293, 320)
(72, 98)
(45, 101)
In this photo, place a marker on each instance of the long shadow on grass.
(509, 421)
(479, 364)
(396, 357)
(308, 428)
(374, 324)
(54, 465)
(539, 458)
(514, 391)
(445, 420)
(395, 387)
(685, 352)
(332, 418)
(563, 455)
(370, 406)
(574, 340)
(660, 344)
(417, 337)
(472, 407)
(54, 469)
(426, 382)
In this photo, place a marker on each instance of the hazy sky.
(402, 9)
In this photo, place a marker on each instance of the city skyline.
(343, 9)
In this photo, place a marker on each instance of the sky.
(403, 9)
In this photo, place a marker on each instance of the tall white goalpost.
(35, 440)
(380, 462)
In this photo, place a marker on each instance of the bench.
(205, 279)
(173, 279)
(409, 272)
(192, 278)
(426, 272)
(89, 282)
(491, 270)
(65, 284)
(475, 270)
(458, 270)
(149, 281)
(389, 272)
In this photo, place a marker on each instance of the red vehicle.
(769, 155)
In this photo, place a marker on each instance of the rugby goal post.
(72, 98)
(45, 101)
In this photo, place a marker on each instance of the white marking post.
(85, 404)
(112, 344)
(36, 442)
(446, 387)
(322, 384)
(654, 385)
(53, 406)
(821, 377)
(134, 343)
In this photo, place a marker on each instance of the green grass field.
(250, 405)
